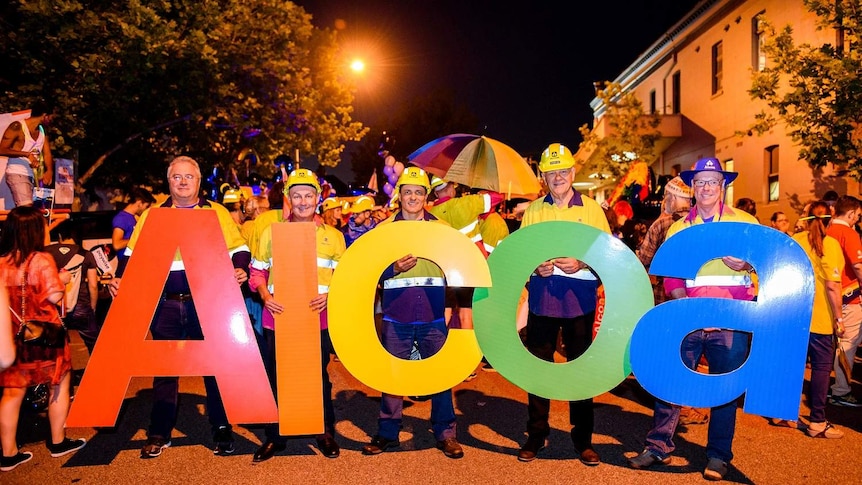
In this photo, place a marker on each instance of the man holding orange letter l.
(302, 191)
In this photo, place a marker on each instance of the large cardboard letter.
(229, 350)
(297, 330)
(628, 295)
(351, 307)
(779, 322)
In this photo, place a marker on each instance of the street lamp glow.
(357, 65)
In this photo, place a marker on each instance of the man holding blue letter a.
(725, 350)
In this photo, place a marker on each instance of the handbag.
(36, 398)
(37, 332)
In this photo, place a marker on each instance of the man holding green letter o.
(562, 297)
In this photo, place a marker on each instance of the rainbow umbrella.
(479, 162)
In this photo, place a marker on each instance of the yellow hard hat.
(231, 195)
(556, 157)
(413, 176)
(330, 203)
(362, 204)
(301, 176)
(437, 182)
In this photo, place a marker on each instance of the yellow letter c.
(351, 307)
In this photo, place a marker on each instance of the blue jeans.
(176, 320)
(725, 350)
(821, 356)
(398, 339)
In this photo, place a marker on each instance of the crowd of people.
(416, 307)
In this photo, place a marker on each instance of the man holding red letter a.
(176, 317)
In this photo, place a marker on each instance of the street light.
(357, 66)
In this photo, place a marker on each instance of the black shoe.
(65, 447)
(451, 448)
(378, 445)
(531, 448)
(8, 463)
(154, 447)
(589, 456)
(328, 447)
(223, 438)
(267, 451)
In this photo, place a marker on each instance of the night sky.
(526, 69)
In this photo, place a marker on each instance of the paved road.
(492, 413)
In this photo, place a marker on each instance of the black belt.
(182, 297)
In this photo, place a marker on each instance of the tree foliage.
(816, 90)
(143, 81)
(632, 133)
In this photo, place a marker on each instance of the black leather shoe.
(531, 448)
(328, 447)
(589, 456)
(378, 445)
(267, 451)
(451, 448)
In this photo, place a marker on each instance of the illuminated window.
(770, 158)
(716, 68)
(758, 38)
(729, 166)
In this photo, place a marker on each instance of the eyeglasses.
(704, 183)
(187, 177)
(558, 173)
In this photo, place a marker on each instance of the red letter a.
(229, 350)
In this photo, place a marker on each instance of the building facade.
(697, 77)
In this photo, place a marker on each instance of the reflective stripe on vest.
(581, 274)
(321, 263)
(326, 263)
(469, 227)
(719, 280)
(393, 283)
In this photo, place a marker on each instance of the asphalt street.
(491, 421)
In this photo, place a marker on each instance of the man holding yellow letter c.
(413, 311)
